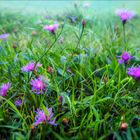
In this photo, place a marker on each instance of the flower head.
(18, 102)
(42, 117)
(4, 89)
(38, 85)
(125, 58)
(30, 67)
(51, 28)
(125, 15)
(86, 5)
(134, 72)
(4, 36)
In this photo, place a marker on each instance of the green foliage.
(97, 93)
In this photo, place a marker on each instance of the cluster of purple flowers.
(134, 71)
(38, 85)
(41, 117)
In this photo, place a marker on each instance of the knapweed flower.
(125, 15)
(41, 117)
(125, 58)
(134, 72)
(4, 36)
(38, 85)
(30, 67)
(4, 89)
(51, 28)
(18, 102)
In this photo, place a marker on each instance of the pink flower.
(134, 72)
(42, 117)
(4, 36)
(30, 67)
(51, 28)
(125, 58)
(4, 89)
(38, 85)
(125, 15)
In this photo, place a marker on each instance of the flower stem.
(78, 43)
(124, 34)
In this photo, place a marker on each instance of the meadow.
(70, 75)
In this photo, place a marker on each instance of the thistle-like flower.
(124, 58)
(125, 15)
(30, 67)
(4, 89)
(41, 117)
(51, 28)
(134, 72)
(38, 85)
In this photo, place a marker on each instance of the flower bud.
(50, 69)
(65, 121)
(124, 126)
(83, 23)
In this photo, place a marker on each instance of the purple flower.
(134, 72)
(30, 67)
(18, 102)
(38, 85)
(4, 36)
(4, 89)
(125, 15)
(125, 58)
(51, 28)
(42, 117)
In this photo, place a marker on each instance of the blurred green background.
(54, 6)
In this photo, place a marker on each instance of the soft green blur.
(41, 7)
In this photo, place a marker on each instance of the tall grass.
(90, 93)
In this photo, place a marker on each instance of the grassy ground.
(90, 93)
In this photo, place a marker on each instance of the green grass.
(98, 95)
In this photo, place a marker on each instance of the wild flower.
(30, 67)
(4, 36)
(18, 102)
(41, 117)
(124, 58)
(86, 5)
(134, 72)
(38, 84)
(4, 89)
(51, 28)
(125, 15)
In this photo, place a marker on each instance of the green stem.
(78, 43)
(124, 34)
(56, 38)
